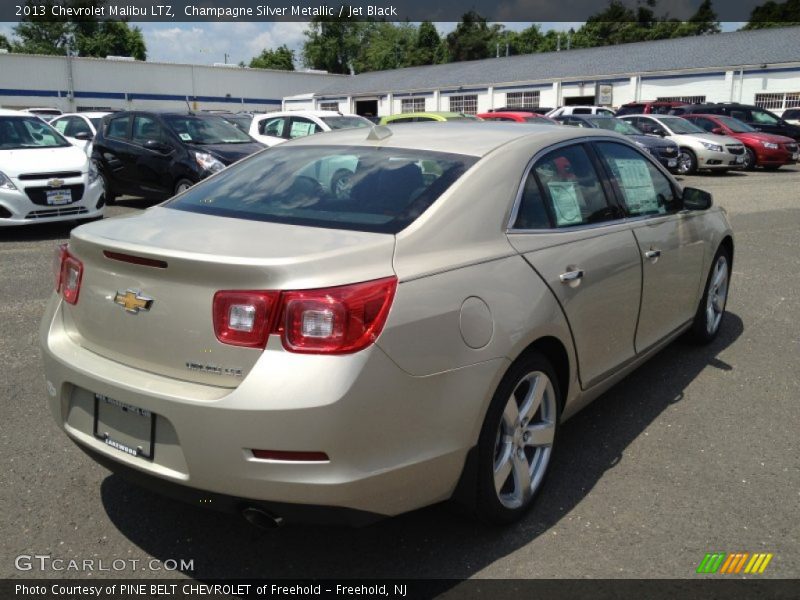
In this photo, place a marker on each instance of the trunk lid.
(175, 336)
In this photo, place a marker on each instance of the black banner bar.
(702, 588)
(391, 10)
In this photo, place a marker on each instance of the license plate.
(739, 160)
(672, 162)
(125, 427)
(55, 197)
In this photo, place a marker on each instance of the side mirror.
(718, 131)
(694, 199)
(84, 136)
(659, 132)
(158, 146)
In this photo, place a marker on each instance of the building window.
(522, 99)
(329, 106)
(464, 104)
(778, 101)
(687, 99)
(408, 105)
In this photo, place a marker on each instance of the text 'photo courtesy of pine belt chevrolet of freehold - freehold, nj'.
(400, 300)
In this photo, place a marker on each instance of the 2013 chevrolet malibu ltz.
(293, 352)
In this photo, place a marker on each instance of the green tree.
(472, 39)
(281, 58)
(4, 43)
(332, 45)
(89, 37)
(775, 14)
(428, 45)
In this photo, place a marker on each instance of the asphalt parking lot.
(697, 451)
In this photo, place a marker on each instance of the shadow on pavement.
(434, 542)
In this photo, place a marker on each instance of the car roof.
(475, 138)
(513, 113)
(429, 113)
(304, 113)
(5, 112)
(90, 115)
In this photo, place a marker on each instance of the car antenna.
(379, 132)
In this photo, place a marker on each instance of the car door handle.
(571, 276)
(652, 254)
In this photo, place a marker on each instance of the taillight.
(243, 318)
(58, 261)
(336, 320)
(68, 273)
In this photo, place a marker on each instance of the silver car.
(698, 148)
(261, 343)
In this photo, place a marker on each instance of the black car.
(664, 151)
(755, 116)
(159, 154)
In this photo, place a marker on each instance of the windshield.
(764, 118)
(617, 125)
(96, 122)
(346, 122)
(206, 130)
(28, 132)
(735, 125)
(243, 122)
(359, 188)
(681, 126)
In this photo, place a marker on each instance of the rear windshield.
(359, 188)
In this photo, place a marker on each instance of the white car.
(42, 176)
(276, 127)
(580, 110)
(79, 128)
(698, 148)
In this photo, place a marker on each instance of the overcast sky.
(208, 43)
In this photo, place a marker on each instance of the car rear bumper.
(395, 442)
(16, 207)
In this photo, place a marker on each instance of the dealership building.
(754, 67)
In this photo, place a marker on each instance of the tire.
(687, 162)
(711, 311)
(340, 184)
(772, 167)
(749, 159)
(513, 455)
(108, 192)
(182, 185)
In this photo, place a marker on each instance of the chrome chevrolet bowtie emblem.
(54, 183)
(133, 301)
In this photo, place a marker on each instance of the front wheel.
(749, 159)
(517, 439)
(182, 185)
(708, 319)
(687, 162)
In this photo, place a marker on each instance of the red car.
(651, 107)
(761, 149)
(518, 117)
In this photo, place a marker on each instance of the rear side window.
(360, 188)
(568, 187)
(118, 127)
(272, 127)
(644, 189)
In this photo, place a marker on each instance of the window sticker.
(185, 137)
(300, 129)
(637, 185)
(565, 202)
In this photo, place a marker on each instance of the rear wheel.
(708, 319)
(517, 438)
(687, 162)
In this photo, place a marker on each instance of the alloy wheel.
(717, 295)
(524, 440)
